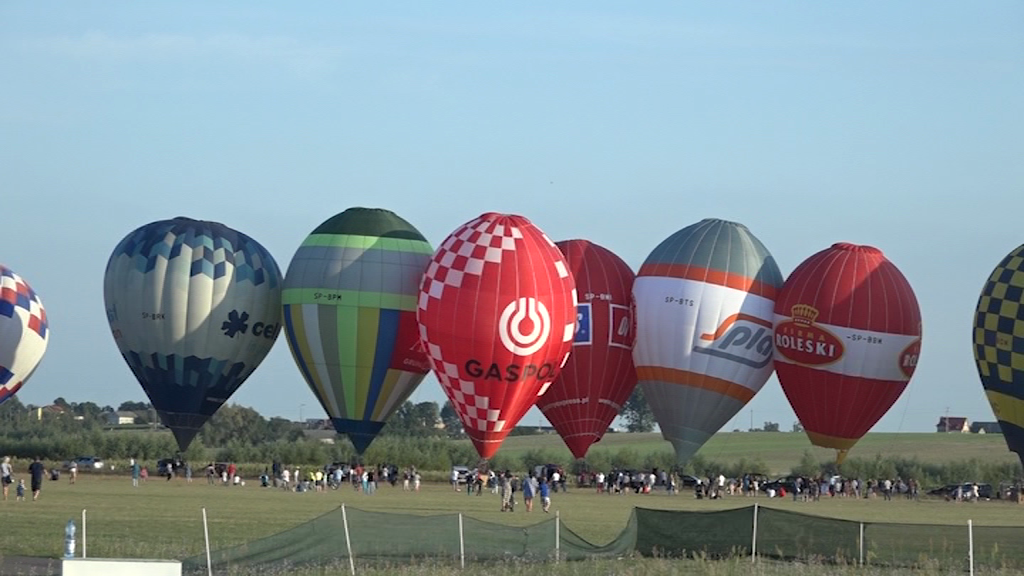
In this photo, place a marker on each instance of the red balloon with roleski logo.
(847, 338)
(496, 311)
(599, 376)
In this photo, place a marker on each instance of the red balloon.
(599, 376)
(847, 337)
(497, 310)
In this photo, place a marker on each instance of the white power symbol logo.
(511, 321)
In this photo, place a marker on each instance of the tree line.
(419, 434)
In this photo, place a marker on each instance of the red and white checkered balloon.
(497, 311)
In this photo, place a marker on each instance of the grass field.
(163, 519)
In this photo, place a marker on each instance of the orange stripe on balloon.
(695, 380)
(829, 441)
(711, 276)
(732, 320)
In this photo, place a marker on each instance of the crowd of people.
(540, 482)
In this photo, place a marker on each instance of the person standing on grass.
(528, 491)
(36, 470)
(506, 491)
(6, 475)
(545, 494)
(136, 472)
(72, 472)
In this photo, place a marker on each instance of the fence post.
(348, 542)
(84, 554)
(558, 536)
(970, 546)
(860, 545)
(206, 535)
(753, 537)
(462, 545)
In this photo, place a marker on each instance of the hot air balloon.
(350, 317)
(704, 301)
(194, 307)
(999, 346)
(847, 338)
(497, 310)
(599, 376)
(24, 332)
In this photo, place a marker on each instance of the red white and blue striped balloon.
(24, 332)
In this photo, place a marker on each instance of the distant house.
(953, 424)
(986, 428)
(321, 435)
(120, 418)
(49, 410)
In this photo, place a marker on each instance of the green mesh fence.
(378, 537)
(404, 538)
(669, 533)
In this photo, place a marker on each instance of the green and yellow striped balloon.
(350, 317)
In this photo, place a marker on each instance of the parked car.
(687, 481)
(787, 482)
(463, 473)
(985, 491)
(167, 466)
(85, 463)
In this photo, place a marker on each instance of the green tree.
(450, 419)
(419, 420)
(235, 424)
(637, 412)
(808, 466)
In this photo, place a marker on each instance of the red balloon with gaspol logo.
(847, 337)
(496, 311)
(600, 375)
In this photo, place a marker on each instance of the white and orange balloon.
(704, 302)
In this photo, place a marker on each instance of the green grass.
(163, 519)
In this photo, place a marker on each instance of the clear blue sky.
(896, 124)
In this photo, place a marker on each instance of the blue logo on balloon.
(584, 330)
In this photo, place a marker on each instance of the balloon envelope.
(704, 301)
(194, 307)
(24, 332)
(999, 346)
(847, 338)
(350, 317)
(497, 308)
(599, 376)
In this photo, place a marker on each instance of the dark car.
(687, 481)
(787, 482)
(985, 491)
(169, 466)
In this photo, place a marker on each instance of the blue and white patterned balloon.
(194, 308)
